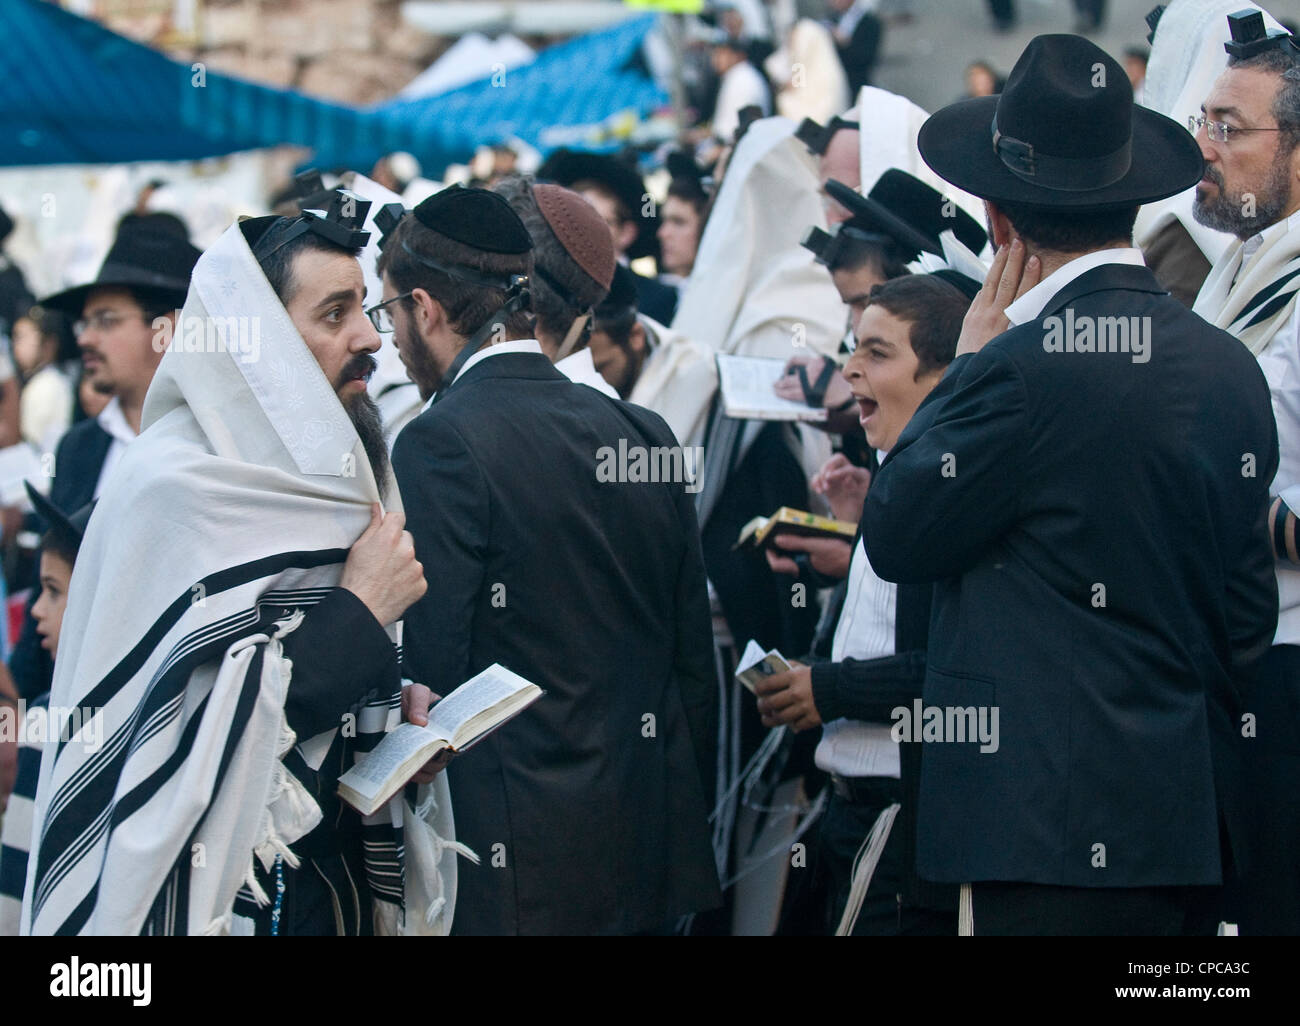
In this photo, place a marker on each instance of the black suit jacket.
(78, 461)
(1097, 530)
(588, 809)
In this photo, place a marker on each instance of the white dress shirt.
(526, 345)
(1280, 362)
(113, 420)
(865, 630)
(1031, 305)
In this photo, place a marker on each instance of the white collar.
(113, 420)
(1029, 306)
(526, 345)
(580, 368)
(1251, 245)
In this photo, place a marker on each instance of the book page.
(476, 695)
(404, 742)
(746, 383)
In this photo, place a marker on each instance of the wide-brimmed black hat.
(910, 212)
(567, 167)
(141, 257)
(1064, 133)
(71, 524)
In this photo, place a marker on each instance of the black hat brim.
(72, 301)
(74, 526)
(869, 213)
(957, 143)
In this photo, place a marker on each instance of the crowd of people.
(1035, 353)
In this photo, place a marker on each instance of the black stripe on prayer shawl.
(165, 713)
(213, 584)
(1265, 293)
(1270, 308)
(175, 889)
(71, 808)
(175, 893)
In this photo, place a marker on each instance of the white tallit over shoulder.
(228, 517)
(889, 126)
(677, 381)
(754, 290)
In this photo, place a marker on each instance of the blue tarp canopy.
(72, 92)
(572, 86)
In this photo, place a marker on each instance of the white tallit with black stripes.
(1253, 296)
(229, 516)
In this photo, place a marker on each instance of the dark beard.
(420, 367)
(1223, 212)
(364, 415)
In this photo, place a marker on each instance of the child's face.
(882, 372)
(56, 572)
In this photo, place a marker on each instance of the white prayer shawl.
(677, 381)
(235, 506)
(889, 126)
(1187, 57)
(1262, 298)
(754, 290)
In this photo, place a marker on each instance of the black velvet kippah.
(475, 217)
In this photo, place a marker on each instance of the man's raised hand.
(382, 570)
(1010, 277)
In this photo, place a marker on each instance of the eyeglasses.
(381, 317)
(1219, 131)
(102, 322)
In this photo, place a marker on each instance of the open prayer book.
(755, 664)
(746, 383)
(765, 530)
(470, 712)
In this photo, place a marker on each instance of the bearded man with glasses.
(1249, 134)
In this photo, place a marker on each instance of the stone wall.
(353, 51)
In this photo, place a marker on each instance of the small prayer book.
(470, 712)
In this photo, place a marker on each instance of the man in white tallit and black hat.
(255, 659)
(1249, 133)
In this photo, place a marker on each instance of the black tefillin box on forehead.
(817, 137)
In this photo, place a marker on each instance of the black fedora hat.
(71, 524)
(1063, 134)
(910, 212)
(141, 257)
(568, 167)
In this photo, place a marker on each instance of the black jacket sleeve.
(448, 514)
(948, 488)
(341, 658)
(867, 689)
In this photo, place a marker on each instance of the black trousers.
(1042, 910)
(844, 826)
(1266, 899)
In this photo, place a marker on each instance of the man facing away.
(1089, 492)
(588, 808)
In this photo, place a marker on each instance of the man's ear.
(429, 313)
(999, 226)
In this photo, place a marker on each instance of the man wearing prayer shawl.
(237, 655)
(1249, 134)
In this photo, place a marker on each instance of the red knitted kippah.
(581, 231)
